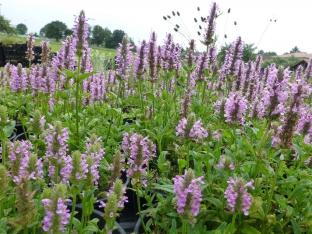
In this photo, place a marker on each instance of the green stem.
(139, 208)
(234, 135)
(78, 102)
(72, 214)
(233, 223)
(204, 90)
(184, 227)
(3, 152)
(188, 156)
(270, 197)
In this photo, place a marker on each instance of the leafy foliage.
(55, 29)
(6, 27)
(21, 28)
(98, 35)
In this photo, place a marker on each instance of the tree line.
(97, 35)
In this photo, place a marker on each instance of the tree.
(117, 37)
(267, 53)
(108, 40)
(21, 28)
(6, 27)
(68, 32)
(248, 53)
(98, 35)
(295, 50)
(55, 29)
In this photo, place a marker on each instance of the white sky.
(138, 17)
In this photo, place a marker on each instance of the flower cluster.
(30, 44)
(226, 163)
(211, 27)
(187, 193)
(56, 155)
(123, 59)
(237, 195)
(188, 128)
(57, 214)
(139, 149)
(235, 108)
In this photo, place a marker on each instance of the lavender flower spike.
(237, 196)
(30, 44)
(211, 27)
(188, 194)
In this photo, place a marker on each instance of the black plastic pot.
(138, 228)
(99, 215)
(126, 182)
(18, 128)
(128, 120)
(20, 137)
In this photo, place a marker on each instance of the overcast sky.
(293, 26)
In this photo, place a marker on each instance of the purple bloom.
(188, 128)
(235, 108)
(56, 153)
(170, 55)
(140, 61)
(226, 163)
(275, 94)
(201, 66)
(80, 33)
(123, 59)
(139, 149)
(57, 214)
(211, 27)
(187, 193)
(19, 154)
(237, 195)
(30, 44)
(152, 56)
(197, 131)
(19, 79)
(233, 55)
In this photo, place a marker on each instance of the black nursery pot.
(20, 137)
(19, 128)
(99, 215)
(138, 229)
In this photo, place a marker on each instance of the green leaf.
(9, 128)
(182, 163)
(85, 75)
(90, 228)
(215, 201)
(249, 229)
(173, 229)
(299, 150)
(295, 226)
